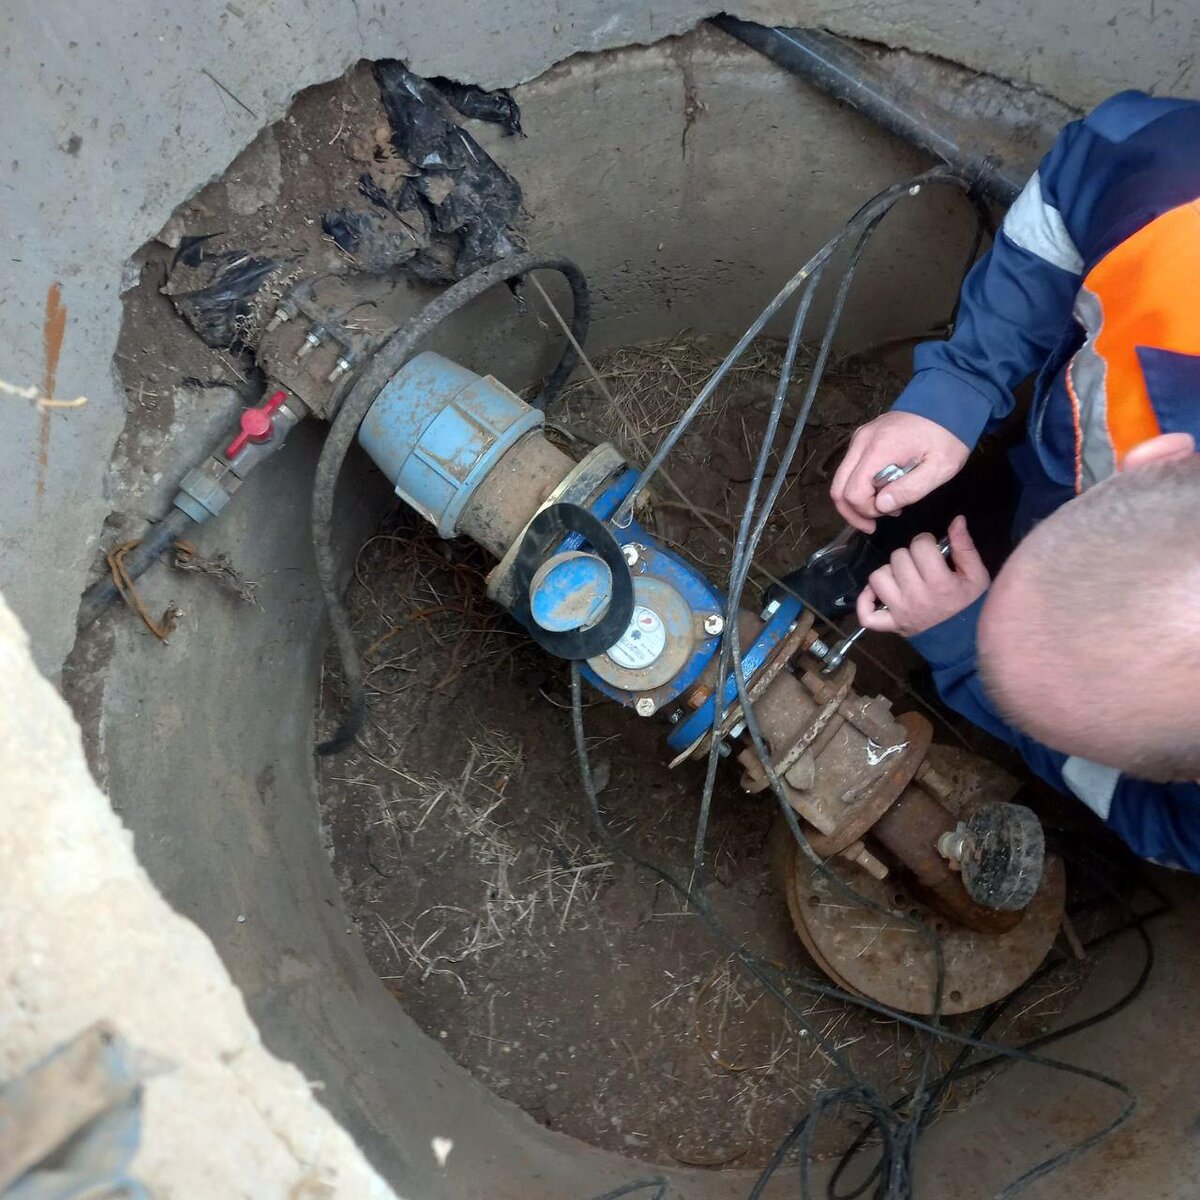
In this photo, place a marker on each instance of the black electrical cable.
(873, 207)
(863, 223)
(899, 1138)
(754, 520)
(744, 551)
(658, 1185)
(898, 1131)
(391, 356)
(772, 978)
(773, 419)
(961, 1069)
(898, 1182)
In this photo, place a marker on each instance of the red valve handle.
(257, 424)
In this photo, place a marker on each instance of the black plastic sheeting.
(477, 105)
(436, 205)
(468, 202)
(229, 280)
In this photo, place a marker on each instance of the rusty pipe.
(512, 492)
(910, 830)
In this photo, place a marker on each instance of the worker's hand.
(920, 588)
(900, 438)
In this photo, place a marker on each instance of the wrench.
(832, 657)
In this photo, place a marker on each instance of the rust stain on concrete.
(53, 331)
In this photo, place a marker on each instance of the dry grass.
(524, 890)
(218, 568)
(524, 879)
(653, 384)
(435, 591)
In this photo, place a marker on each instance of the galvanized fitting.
(312, 339)
(818, 649)
(282, 313)
(952, 845)
(645, 706)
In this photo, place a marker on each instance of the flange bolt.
(714, 623)
(645, 707)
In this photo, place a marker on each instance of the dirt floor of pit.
(569, 981)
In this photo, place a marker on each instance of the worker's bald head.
(1090, 636)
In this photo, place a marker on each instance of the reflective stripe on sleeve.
(1039, 228)
(1092, 783)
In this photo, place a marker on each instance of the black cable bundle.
(896, 1123)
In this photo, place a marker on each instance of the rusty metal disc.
(887, 960)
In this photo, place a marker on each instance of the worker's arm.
(1158, 821)
(1015, 305)
(1017, 301)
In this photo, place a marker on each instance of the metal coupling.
(283, 313)
(952, 845)
(818, 649)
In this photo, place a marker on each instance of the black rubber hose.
(156, 543)
(392, 355)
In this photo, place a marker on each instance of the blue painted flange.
(701, 721)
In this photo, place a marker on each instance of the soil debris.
(218, 568)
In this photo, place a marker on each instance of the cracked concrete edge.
(115, 112)
(84, 935)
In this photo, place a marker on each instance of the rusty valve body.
(855, 773)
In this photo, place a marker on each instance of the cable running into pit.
(898, 1124)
